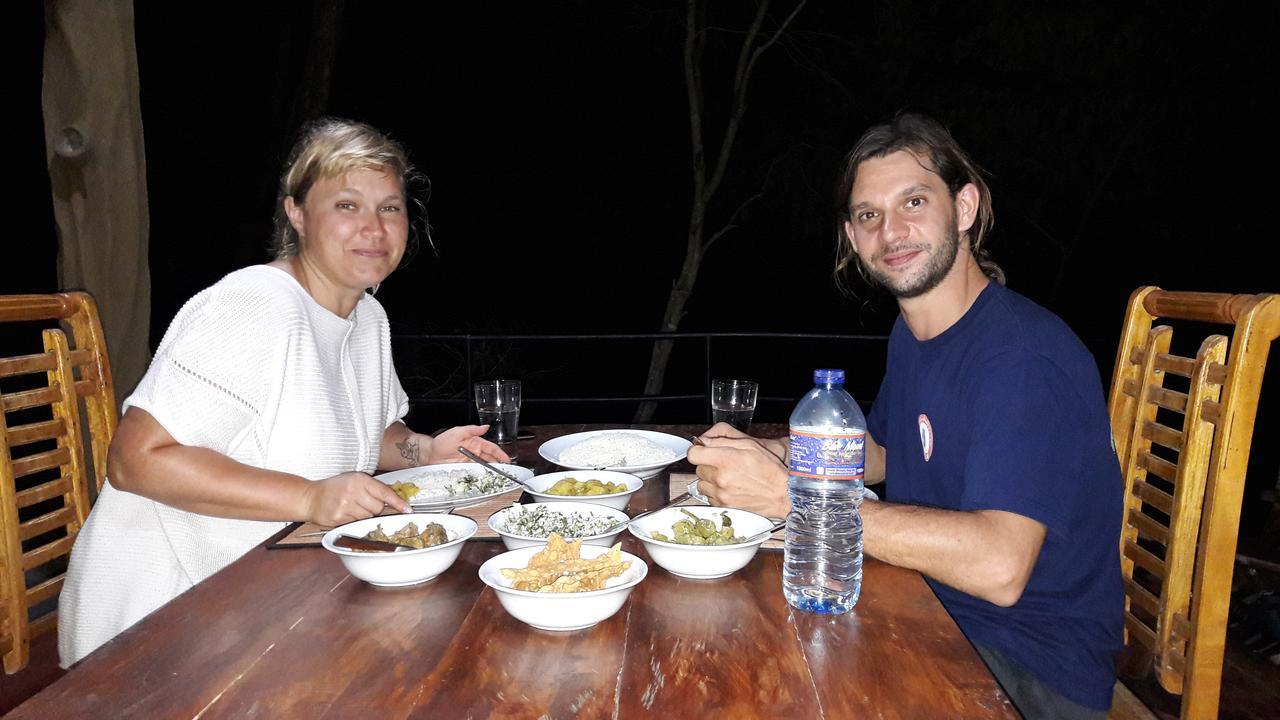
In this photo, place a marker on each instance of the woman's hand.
(742, 473)
(444, 447)
(349, 496)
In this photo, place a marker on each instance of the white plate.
(551, 449)
(446, 502)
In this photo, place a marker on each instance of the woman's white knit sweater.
(257, 370)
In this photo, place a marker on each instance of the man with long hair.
(990, 430)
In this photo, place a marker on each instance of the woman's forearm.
(403, 448)
(145, 460)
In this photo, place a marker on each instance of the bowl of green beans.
(701, 542)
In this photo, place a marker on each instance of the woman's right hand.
(347, 497)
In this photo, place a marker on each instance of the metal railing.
(457, 394)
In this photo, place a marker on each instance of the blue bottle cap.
(828, 375)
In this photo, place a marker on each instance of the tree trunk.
(676, 302)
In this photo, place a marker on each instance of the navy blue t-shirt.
(1004, 411)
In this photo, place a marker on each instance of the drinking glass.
(734, 402)
(498, 404)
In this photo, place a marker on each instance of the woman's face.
(352, 228)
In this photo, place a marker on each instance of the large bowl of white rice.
(643, 453)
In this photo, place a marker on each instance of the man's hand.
(777, 446)
(346, 497)
(738, 471)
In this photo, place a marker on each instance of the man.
(990, 429)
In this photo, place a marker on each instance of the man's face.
(904, 224)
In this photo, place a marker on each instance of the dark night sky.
(1119, 138)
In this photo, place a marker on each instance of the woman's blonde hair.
(330, 147)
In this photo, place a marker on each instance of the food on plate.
(701, 531)
(570, 486)
(616, 449)
(432, 534)
(560, 567)
(406, 490)
(447, 483)
(540, 521)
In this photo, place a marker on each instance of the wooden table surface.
(288, 633)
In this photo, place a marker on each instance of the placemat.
(309, 534)
(679, 483)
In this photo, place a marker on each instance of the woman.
(271, 398)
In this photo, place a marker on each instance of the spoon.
(691, 491)
(766, 533)
(351, 542)
(491, 468)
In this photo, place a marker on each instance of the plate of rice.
(642, 453)
(452, 485)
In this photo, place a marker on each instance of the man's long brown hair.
(928, 140)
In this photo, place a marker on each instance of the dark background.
(1127, 144)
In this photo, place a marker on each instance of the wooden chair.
(1184, 446)
(77, 313)
(46, 480)
(73, 316)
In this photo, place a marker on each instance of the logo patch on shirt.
(926, 436)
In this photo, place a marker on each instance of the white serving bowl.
(497, 522)
(617, 501)
(563, 610)
(402, 567)
(551, 449)
(701, 561)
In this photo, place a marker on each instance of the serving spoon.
(351, 542)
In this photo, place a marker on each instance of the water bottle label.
(827, 457)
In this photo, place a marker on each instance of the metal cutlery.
(351, 542)
(491, 468)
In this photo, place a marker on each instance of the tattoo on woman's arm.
(409, 451)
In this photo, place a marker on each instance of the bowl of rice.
(643, 453)
(593, 481)
(527, 525)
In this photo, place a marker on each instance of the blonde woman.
(271, 398)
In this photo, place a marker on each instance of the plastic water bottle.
(822, 569)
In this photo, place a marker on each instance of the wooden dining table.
(288, 633)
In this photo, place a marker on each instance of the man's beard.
(938, 265)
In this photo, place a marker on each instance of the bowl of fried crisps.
(669, 539)
(408, 566)
(563, 586)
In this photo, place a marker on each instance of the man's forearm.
(988, 553)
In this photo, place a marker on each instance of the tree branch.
(693, 87)
(747, 58)
(731, 223)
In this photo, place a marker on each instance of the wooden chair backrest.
(78, 313)
(1183, 455)
(44, 495)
